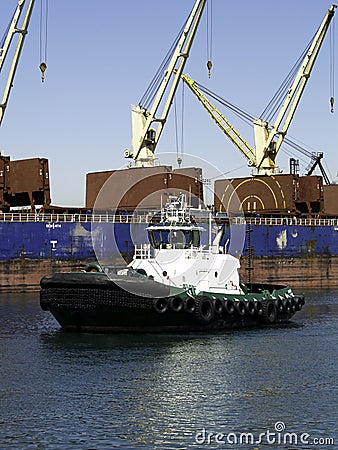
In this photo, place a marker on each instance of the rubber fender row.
(289, 305)
(242, 307)
(163, 304)
(206, 309)
(88, 299)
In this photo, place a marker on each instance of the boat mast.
(144, 137)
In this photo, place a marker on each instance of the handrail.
(285, 221)
(146, 218)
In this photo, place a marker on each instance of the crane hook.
(209, 66)
(332, 103)
(43, 67)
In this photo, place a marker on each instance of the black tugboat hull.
(94, 302)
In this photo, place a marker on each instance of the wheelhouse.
(174, 237)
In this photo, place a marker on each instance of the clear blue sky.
(103, 54)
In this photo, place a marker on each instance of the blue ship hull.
(300, 254)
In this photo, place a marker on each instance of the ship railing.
(142, 251)
(146, 219)
(83, 218)
(284, 221)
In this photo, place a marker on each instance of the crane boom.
(222, 122)
(4, 50)
(266, 144)
(144, 137)
(262, 157)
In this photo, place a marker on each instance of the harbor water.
(262, 388)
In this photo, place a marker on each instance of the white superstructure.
(176, 257)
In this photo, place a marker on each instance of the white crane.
(12, 30)
(268, 138)
(144, 136)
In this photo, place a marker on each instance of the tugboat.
(173, 284)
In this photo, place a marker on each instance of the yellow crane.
(222, 122)
(268, 137)
(12, 30)
(144, 136)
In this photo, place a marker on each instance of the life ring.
(229, 306)
(250, 307)
(189, 305)
(160, 305)
(176, 303)
(205, 311)
(269, 311)
(218, 305)
(93, 267)
(240, 307)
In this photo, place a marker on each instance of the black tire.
(287, 305)
(269, 311)
(205, 311)
(299, 303)
(218, 305)
(189, 305)
(259, 308)
(250, 307)
(240, 307)
(160, 305)
(279, 305)
(176, 303)
(293, 305)
(229, 306)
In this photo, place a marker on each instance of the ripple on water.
(66, 390)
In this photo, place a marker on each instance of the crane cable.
(150, 93)
(43, 37)
(278, 98)
(332, 65)
(180, 157)
(209, 37)
(248, 118)
(179, 139)
(2, 40)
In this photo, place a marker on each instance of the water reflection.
(158, 391)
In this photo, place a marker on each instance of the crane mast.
(12, 30)
(269, 139)
(144, 136)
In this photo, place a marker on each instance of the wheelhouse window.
(178, 238)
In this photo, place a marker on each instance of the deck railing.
(312, 222)
(146, 218)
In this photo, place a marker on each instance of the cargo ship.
(284, 245)
(291, 221)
